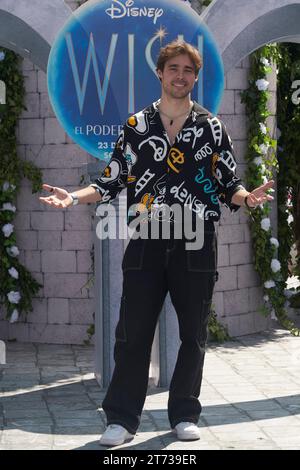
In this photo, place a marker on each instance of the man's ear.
(159, 74)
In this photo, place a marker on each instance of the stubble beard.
(177, 94)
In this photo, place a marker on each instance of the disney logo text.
(120, 10)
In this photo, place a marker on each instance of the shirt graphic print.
(198, 171)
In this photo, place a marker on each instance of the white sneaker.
(187, 431)
(115, 435)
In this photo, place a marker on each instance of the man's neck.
(174, 107)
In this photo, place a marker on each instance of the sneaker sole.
(128, 438)
(185, 438)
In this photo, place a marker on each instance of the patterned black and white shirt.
(198, 170)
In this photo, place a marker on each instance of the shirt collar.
(197, 109)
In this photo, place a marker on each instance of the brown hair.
(175, 48)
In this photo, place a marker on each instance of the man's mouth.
(179, 85)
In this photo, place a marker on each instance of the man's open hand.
(59, 198)
(259, 195)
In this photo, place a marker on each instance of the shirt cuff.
(228, 197)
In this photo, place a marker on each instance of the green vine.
(288, 158)
(262, 165)
(217, 331)
(17, 287)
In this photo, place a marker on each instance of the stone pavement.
(250, 396)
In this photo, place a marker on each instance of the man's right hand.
(59, 198)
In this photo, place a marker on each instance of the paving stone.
(26, 413)
(79, 430)
(67, 422)
(76, 414)
(33, 422)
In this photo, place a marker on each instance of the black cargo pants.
(151, 268)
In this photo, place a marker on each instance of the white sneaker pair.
(116, 435)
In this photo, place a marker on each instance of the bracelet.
(246, 203)
(75, 199)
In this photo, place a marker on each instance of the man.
(172, 152)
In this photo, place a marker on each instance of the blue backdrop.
(101, 67)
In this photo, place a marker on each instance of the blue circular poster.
(102, 66)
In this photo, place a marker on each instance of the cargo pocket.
(121, 326)
(134, 255)
(205, 259)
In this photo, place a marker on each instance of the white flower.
(269, 284)
(266, 298)
(274, 242)
(2, 56)
(7, 229)
(264, 148)
(275, 265)
(14, 297)
(257, 161)
(13, 251)
(7, 206)
(14, 316)
(265, 224)
(263, 128)
(262, 168)
(262, 84)
(273, 314)
(14, 273)
(5, 186)
(265, 62)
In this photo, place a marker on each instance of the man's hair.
(175, 48)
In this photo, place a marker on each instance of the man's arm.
(61, 199)
(231, 190)
(105, 188)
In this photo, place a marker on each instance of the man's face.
(178, 77)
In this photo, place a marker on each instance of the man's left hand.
(259, 195)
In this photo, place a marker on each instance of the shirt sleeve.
(114, 176)
(224, 170)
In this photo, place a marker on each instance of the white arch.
(240, 27)
(29, 27)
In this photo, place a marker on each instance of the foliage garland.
(17, 286)
(262, 163)
(288, 157)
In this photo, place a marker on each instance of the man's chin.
(179, 96)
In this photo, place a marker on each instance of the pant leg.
(144, 291)
(191, 290)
